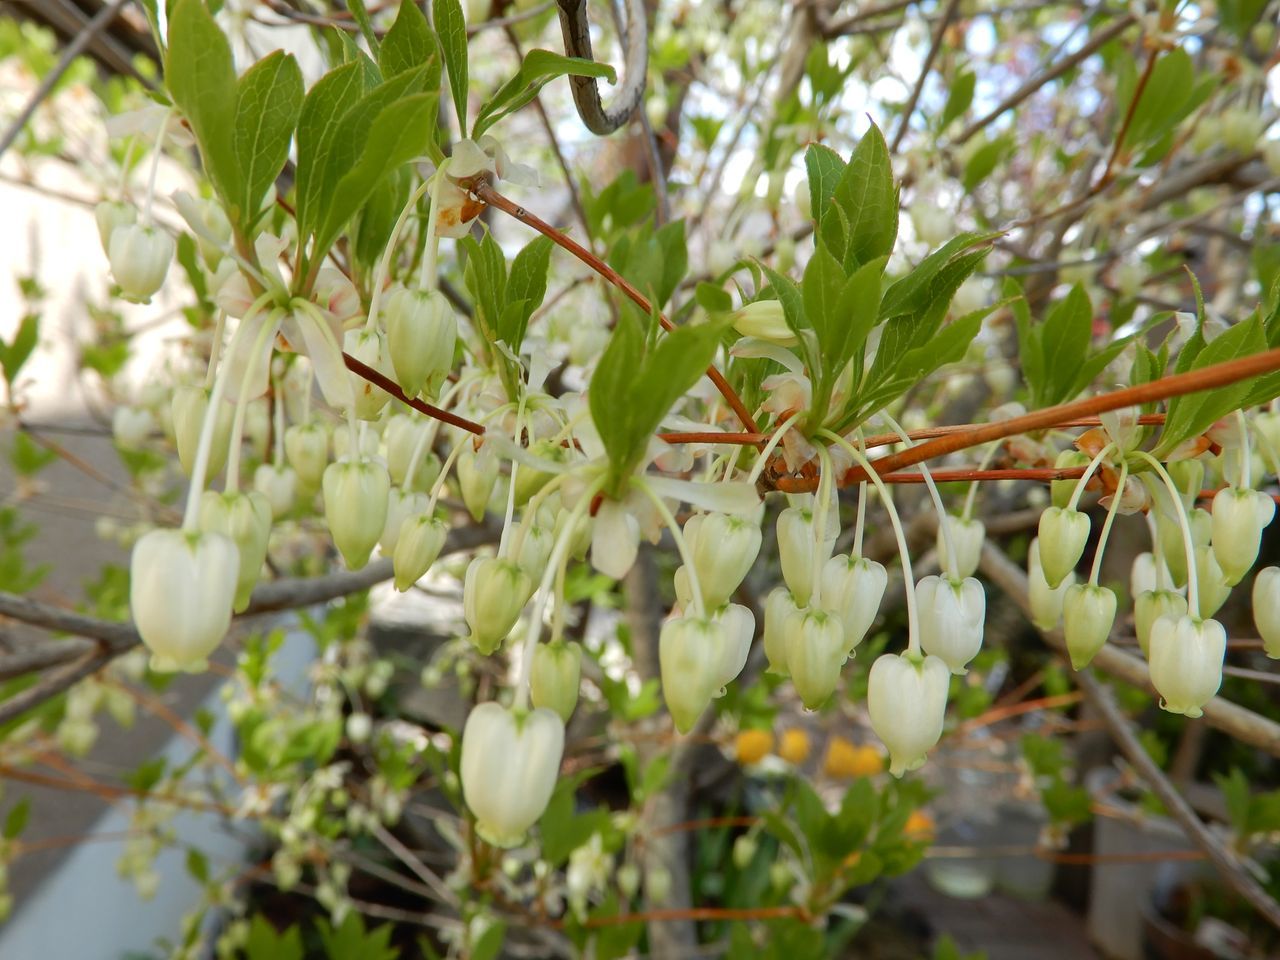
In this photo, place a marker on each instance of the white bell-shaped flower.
(1172, 550)
(355, 507)
(852, 588)
(188, 410)
(279, 484)
(1214, 588)
(494, 591)
(691, 656)
(1088, 613)
(907, 701)
(421, 331)
(369, 347)
(554, 677)
(132, 426)
(816, 650)
(110, 214)
(1185, 661)
(778, 608)
(615, 539)
(477, 475)
(246, 519)
(509, 764)
(140, 258)
(306, 447)
(1239, 516)
(796, 543)
(181, 588)
(724, 548)
(401, 439)
(967, 537)
(1063, 534)
(764, 320)
(1045, 601)
(1147, 574)
(952, 617)
(1266, 609)
(402, 506)
(739, 625)
(419, 544)
(535, 548)
(1149, 607)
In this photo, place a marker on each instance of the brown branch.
(485, 192)
(380, 379)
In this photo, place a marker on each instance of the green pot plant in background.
(899, 380)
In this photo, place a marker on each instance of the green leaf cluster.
(1055, 355)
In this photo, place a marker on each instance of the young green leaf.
(326, 103)
(526, 286)
(451, 26)
(268, 100)
(868, 198)
(959, 98)
(539, 67)
(824, 168)
(411, 43)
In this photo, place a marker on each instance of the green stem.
(242, 405)
(682, 546)
(1106, 526)
(944, 519)
(1193, 586)
(1078, 492)
(763, 459)
(820, 523)
(384, 265)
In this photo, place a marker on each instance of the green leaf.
(351, 942)
(451, 25)
(984, 160)
(538, 68)
(265, 944)
(201, 77)
(1164, 101)
(527, 285)
(960, 97)
(675, 259)
(15, 354)
(918, 289)
(1064, 342)
(824, 168)
(16, 819)
(485, 274)
(711, 298)
(868, 198)
(411, 43)
(326, 103)
(361, 15)
(268, 100)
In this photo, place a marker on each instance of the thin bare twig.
(938, 32)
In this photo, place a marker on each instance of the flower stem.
(384, 265)
(1193, 591)
(820, 523)
(232, 484)
(944, 519)
(155, 169)
(1106, 525)
(428, 275)
(682, 546)
(763, 460)
(1078, 492)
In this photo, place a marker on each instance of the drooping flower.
(554, 677)
(1239, 516)
(816, 650)
(494, 591)
(1088, 613)
(691, 656)
(952, 615)
(510, 761)
(356, 493)
(1063, 534)
(852, 588)
(907, 701)
(1186, 662)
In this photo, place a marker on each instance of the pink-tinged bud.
(306, 447)
(355, 507)
(369, 348)
(140, 258)
(1186, 662)
(181, 587)
(691, 656)
(494, 592)
(852, 588)
(967, 537)
(246, 519)
(1088, 613)
(907, 701)
(816, 650)
(952, 614)
(778, 609)
(1150, 607)
(421, 330)
(1045, 601)
(1063, 534)
(1239, 516)
(1266, 609)
(419, 544)
(554, 677)
(510, 761)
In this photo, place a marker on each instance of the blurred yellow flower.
(919, 827)
(752, 746)
(845, 760)
(795, 746)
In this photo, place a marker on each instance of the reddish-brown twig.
(390, 386)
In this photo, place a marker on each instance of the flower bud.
(419, 544)
(181, 587)
(554, 677)
(1171, 548)
(245, 518)
(402, 437)
(852, 588)
(402, 506)
(108, 215)
(1147, 574)
(369, 347)
(131, 426)
(1045, 601)
(967, 537)
(763, 319)
(279, 485)
(1239, 516)
(907, 701)
(691, 656)
(535, 547)
(952, 614)
(477, 475)
(579, 538)
(1088, 612)
(724, 549)
(306, 447)
(1063, 534)
(778, 609)
(816, 650)
(1150, 606)
(140, 258)
(1061, 491)
(796, 536)
(615, 539)
(1213, 585)
(1266, 609)
(509, 764)
(529, 480)
(421, 330)
(1186, 662)
(494, 592)
(355, 507)
(188, 411)
(739, 625)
